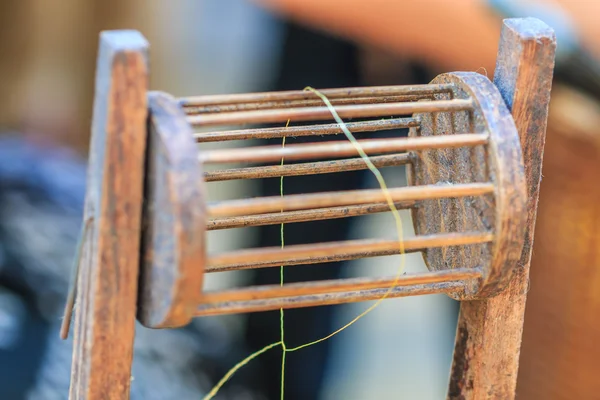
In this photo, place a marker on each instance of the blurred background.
(401, 350)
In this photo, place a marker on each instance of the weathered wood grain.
(307, 151)
(319, 214)
(488, 341)
(263, 292)
(499, 161)
(108, 280)
(173, 242)
(323, 113)
(327, 299)
(317, 253)
(272, 204)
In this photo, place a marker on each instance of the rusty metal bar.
(263, 205)
(309, 130)
(270, 105)
(339, 148)
(327, 299)
(303, 215)
(336, 251)
(338, 285)
(323, 167)
(323, 113)
(336, 93)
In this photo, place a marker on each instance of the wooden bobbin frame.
(500, 161)
(173, 255)
(474, 171)
(494, 209)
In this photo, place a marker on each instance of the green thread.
(391, 204)
(398, 222)
(236, 367)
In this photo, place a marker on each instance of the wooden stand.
(108, 278)
(489, 332)
(474, 199)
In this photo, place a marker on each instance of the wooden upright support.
(107, 284)
(489, 331)
(488, 339)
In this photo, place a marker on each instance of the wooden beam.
(488, 340)
(108, 278)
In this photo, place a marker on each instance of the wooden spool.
(472, 195)
(467, 195)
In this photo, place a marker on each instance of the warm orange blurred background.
(47, 62)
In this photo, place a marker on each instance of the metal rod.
(303, 215)
(336, 251)
(338, 285)
(340, 148)
(335, 93)
(326, 299)
(263, 205)
(270, 105)
(323, 113)
(310, 130)
(323, 167)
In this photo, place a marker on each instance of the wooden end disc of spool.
(174, 220)
(502, 213)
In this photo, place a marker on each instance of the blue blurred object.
(41, 204)
(41, 197)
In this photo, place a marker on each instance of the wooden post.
(108, 279)
(488, 339)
